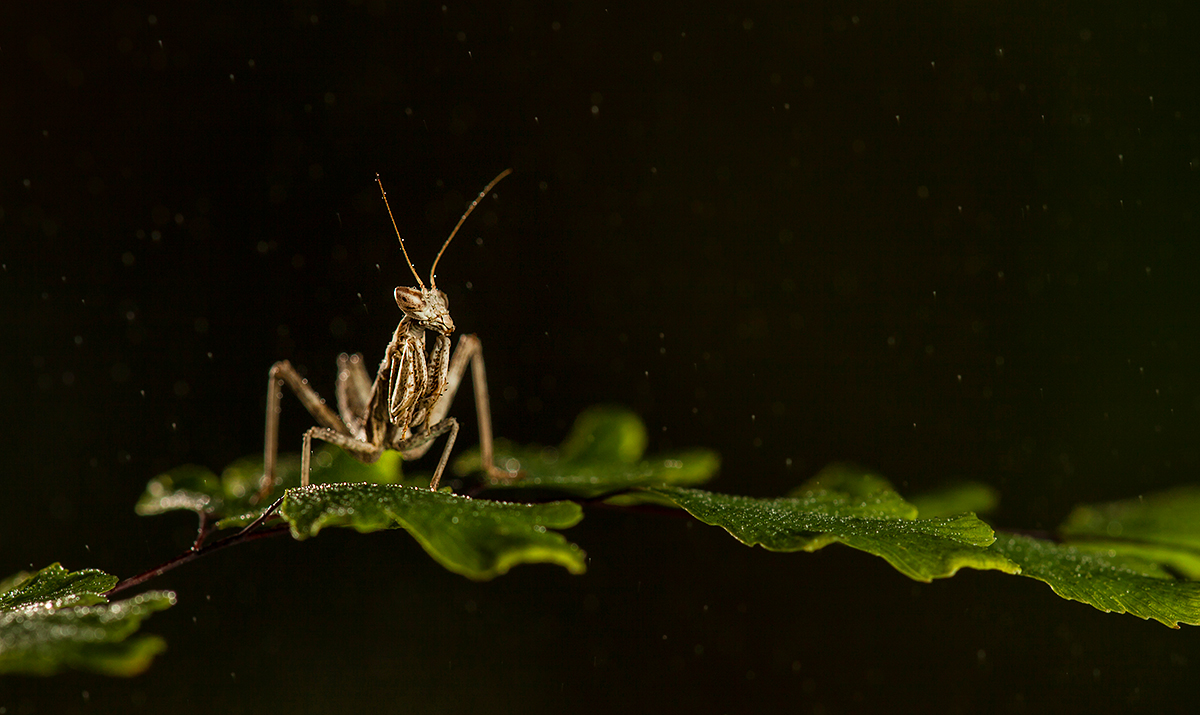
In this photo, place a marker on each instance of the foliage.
(1161, 528)
(1119, 557)
(859, 509)
(57, 619)
(854, 508)
(231, 499)
(477, 538)
(1136, 556)
(956, 499)
(602, 454)
(1112, 586)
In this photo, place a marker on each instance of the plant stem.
(250, 533)
(202, 531)
(193, 554)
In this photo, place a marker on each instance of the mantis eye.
(409, 299)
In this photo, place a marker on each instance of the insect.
(405, 408)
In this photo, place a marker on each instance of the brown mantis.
(405, 408)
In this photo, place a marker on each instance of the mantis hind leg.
(353, 391)
(282, 373)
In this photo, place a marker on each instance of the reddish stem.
(250, 533)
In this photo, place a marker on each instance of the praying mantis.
(405, 408)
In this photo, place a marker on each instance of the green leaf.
(854, 491)
(58, 619)
(956, 499)
(477, 538)
(10, 582)
(1151, 558)
(605, 433)
(330, 465)
(1104, 583)
(601, 455)
(189, 487)
(1161, 529)
(1170, 518)
(230, 498)
(922, 549)
(59, 587)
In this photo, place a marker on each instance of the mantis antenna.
(411, 267)
(470, 208)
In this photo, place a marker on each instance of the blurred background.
(944, 241)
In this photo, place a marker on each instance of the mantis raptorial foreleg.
(469, 351)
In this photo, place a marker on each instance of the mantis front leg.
(469, 350)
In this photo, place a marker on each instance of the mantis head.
(428, 306)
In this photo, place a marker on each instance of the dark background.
(945, 240)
